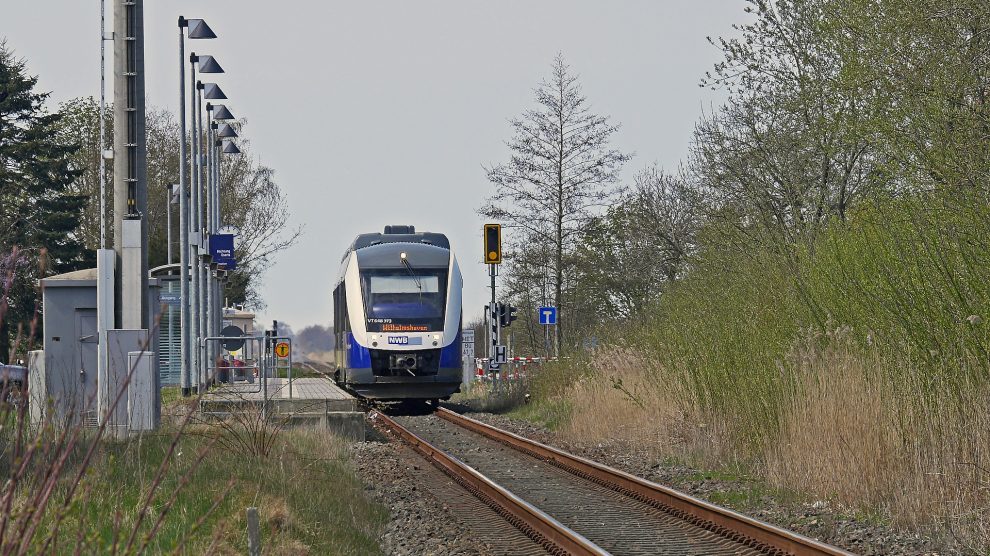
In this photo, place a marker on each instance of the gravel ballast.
(430, 513)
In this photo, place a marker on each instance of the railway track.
(571, 505)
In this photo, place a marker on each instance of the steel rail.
(728, 523)
(553, 535)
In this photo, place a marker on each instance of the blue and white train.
(397, 316)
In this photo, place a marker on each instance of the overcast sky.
(383, 112)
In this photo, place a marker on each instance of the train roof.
(398, 234)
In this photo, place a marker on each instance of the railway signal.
(495, 310)
(493, 243)
(506, 314)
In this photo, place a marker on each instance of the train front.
(404, 304)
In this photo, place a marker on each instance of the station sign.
(169, 298)
(222, 250)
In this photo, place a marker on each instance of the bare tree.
(562, 170)
(629, 255)
(255, 205)
(253, 202)
(791, 149)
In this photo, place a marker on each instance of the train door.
(340, 331)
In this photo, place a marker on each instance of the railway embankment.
(736, 489)
(183, 489)
(818, 475)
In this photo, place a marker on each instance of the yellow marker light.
(493, 243)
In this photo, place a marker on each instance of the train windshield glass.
(405, 300)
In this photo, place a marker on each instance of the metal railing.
(261, 355)
(254, 356)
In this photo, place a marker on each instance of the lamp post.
(220, 114)
(211, 91)
(212, 351)
(198, 303)
(196, 29)
(223, 146)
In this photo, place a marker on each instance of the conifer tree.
(39, 214)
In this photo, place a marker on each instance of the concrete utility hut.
(63, 378)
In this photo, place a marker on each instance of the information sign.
(500, 354)
(222, 250)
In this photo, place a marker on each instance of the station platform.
(316, 402)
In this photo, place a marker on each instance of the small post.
(290, 368)
(254, 532)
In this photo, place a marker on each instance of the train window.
(406, 297)
(404, 284)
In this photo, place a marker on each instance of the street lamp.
(221, 113)
(200, 290)
(208, 320)
(196, 29)
(209, 64)
(226, 132)
(225, 147)
(212, 91)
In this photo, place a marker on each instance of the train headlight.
(374, 340)
(435, 338)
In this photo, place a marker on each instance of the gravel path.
(816, 520)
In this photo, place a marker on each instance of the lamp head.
(212, 91)
(227, 132)
(208, 64)
(222, 113)
(198, 29)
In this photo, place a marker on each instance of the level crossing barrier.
(515, 368)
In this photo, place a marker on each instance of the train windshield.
(405, 300)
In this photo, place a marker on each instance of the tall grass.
(183, 490)
(854, 368)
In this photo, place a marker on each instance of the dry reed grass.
(632, 401)
(854, 434)
(847, 432)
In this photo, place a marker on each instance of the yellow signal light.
(493, 243)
